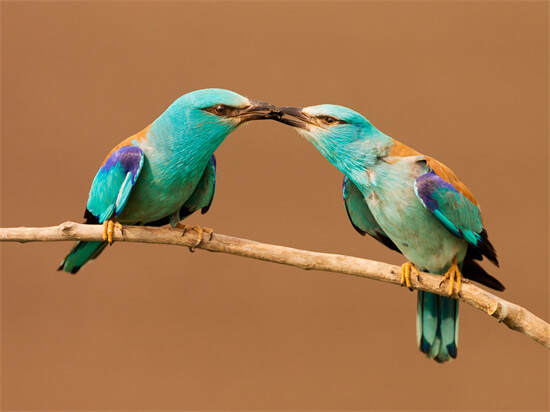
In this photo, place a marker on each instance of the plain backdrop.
(150, 327)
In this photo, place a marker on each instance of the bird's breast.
(415, 231)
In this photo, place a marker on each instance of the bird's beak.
(295, 117)
(258, 111)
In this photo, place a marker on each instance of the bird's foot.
(406, 269)
(200, 233)
(109, 229)
(452, 274)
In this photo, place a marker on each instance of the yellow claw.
(109, 228)
(451, 274)
(200, 233)
(406, 269)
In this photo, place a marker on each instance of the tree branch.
(512, 315)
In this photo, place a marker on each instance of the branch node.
(502, 312)
(66, 227)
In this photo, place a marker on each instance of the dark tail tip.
(437, 326)
(73, 270)
(472, 270)
(487, 249)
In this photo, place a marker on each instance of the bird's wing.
(450, 201)
(204, 192)
(201, 198)
(113, 183)
(360, 215)
(400, 150)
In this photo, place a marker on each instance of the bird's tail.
(437, 326)
(81, 253)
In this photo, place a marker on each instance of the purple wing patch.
(130, 158)
(429, 183)
(114, 181)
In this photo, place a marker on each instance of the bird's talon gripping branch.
(109, 229)
(200, 233)
(406, 269)
(452, 274)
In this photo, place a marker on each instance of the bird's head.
(199, 121)
(327, 122)
(221, 109)
(348, 140)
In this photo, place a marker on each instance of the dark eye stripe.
(331, 120)
(220, 110)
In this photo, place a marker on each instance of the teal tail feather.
(81, 253)
(437, 326)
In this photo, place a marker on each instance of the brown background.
(154, 327)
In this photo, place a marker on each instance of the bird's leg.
(109, 228)
(451, 274)
(406, 269)
(200, 233)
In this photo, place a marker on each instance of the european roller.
(167, 171)
(411, 203)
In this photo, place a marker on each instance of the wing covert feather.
(114, 181)
(361, 216)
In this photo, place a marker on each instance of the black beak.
(293, 116)
(259, 111)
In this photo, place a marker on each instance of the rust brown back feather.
(398, 149)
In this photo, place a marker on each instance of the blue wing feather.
(204, 192)
(114, 181)
(457, 213)
(200, 199)
(361, 216)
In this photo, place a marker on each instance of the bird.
(167, 171)
(411, 203)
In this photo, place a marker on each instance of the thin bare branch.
(511, 314)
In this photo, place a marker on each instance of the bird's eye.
(329, 119)
(220, 109)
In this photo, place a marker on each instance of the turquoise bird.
(167, 171)
(412, 204)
